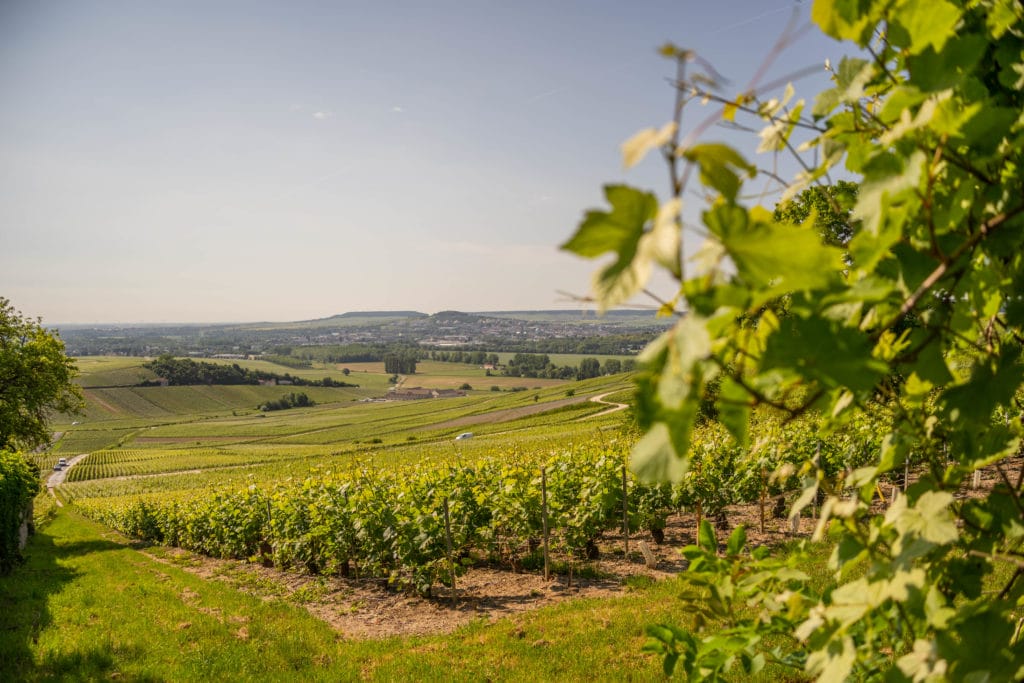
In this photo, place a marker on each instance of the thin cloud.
(322, 115)
(397, 109)
(546, 94)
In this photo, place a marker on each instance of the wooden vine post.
(544, 519)
(764, 493)
(699, 508)
(448, 542)
(625, 513)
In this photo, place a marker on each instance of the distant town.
(620, 332)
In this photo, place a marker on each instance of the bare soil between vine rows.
(369, 609)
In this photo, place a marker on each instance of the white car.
(464, 436)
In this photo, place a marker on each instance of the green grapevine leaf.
(927, 24)
(737, 541)
(706, 537)
(720, 167)
(771, 257)
(618, 230)
(843, 19)
(654, 457)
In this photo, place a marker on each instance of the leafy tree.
(400, 362)
(292, 400)
(187, 372)
(831, 207)
(928, 120)
(528, 365)
(35, 380)
(612, 366)
(589, 367)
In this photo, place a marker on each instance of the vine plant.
(915, 321)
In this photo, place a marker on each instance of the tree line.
(187, 372)
(540, 366)
(400, 362)
(292, 400)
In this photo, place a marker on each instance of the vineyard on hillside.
(390, 523)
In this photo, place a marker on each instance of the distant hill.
(363, 314)
(579, 315)
(538, 331)
(380, 314)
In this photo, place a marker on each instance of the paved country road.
(57, 477)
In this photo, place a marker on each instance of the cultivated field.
(371, 518)
(157, 449)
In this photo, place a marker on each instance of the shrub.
(19, 484)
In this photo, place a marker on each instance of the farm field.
(213, 416)
(110, 371)
(159, 447)
(351, 489)
(340, 512)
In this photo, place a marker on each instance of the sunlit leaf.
(655, 459)
(637, 147)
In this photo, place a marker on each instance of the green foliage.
(829, 208)
(529, 365)
(375, 522)
(400, 362)
(35, 380)
(19, 483)
(898, 303)
(291, 400)
(589, 368)
(187, 372)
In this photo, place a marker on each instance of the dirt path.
(615, 407)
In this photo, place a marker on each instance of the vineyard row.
(375, 523)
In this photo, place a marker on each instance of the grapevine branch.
(986, 229)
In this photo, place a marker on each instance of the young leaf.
(620, 231)
(637, 147)
(737, 540)
(706, 537)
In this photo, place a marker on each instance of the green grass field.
(107, 371)
(90, 605)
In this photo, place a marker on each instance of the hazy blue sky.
(228, 161)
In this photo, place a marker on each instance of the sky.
(245, 161)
